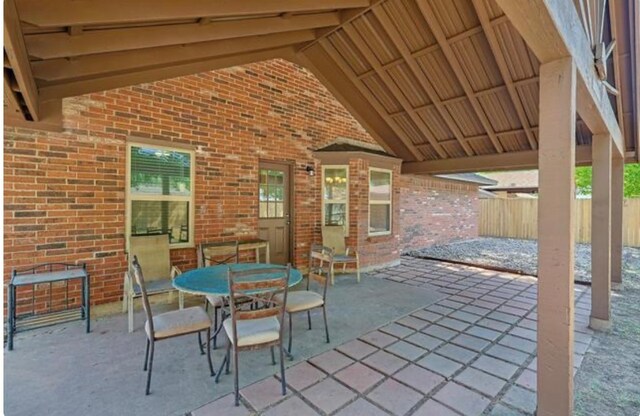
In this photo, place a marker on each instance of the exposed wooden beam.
(79, 87)
(498, 55)
(617, 78)
(12, 105)
(371, 58)
(60, 45)
(16, 52)
(380, 110)
(527, 159)
(105, 64)
(398, 41)
(50, 118)
(63, 13)
(332, 74)
(438, 33)
(552, 29)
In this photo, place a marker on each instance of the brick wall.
(65, 192)
(435, 211)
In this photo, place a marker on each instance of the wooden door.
(274, 212)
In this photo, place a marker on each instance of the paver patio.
(471, 353)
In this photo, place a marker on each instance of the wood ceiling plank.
(527, 159)
(433, 23)
(17, 54)
(397, 39)
(64, 70)
(61, 45)
(504, 70)
(357, 39)
(56, 13)
(85, 86)
(333, 53)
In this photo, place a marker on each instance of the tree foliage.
(631, 180)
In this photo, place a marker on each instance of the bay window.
(335, 196)
(379, 201)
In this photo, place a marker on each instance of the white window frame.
(129, 198)
(389, 202)
(336, 201)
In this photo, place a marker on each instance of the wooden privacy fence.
(518, 218)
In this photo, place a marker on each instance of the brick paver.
(471, 353)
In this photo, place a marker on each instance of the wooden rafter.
(84, 86)
(395, 36)
(17, 54)
(64, 13)
(335, 55)
(12, 105)
(61, 45)
(62, 70)
(357, 39)
(438, 33)
(489, 32)
(616, 63)
(527, 159)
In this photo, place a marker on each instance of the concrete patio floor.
(471, 353)
(60, 370)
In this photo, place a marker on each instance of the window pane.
(379, 218)
(380, 186)
(335, 184)
(160, 172)
(335, 214)
(160, 217)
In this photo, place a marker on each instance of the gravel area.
(519, 255)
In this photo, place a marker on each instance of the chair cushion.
(179, 322)
(154, 287)
(343, 258)
(254, 331)
(302, 300)
(215, 300)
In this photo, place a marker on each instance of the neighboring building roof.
(521, 180)
(468, 177)
(482, 194)
(348, 147)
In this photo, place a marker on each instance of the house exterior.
(218, 140)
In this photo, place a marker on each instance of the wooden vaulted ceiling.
(431, 80)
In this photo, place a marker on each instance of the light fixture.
(311, 170)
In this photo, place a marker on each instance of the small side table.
(42, 274)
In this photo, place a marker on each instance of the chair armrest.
(175, 271)
(351, 251)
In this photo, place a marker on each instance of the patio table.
(213, 280)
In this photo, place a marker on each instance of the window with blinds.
(160, 192)
(379, 201)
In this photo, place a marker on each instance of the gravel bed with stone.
(520, 256)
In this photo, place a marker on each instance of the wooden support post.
(601, 232)
(617, 202)
(556, 218)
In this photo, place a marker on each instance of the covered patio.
(443, 87)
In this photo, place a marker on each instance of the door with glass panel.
(274, 210)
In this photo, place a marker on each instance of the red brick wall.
(435, 211)
(65, 192)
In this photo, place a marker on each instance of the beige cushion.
(254, 331)
(179, 322)
(215, 300)
(301, 300)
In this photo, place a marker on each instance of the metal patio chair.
(170, 325)
(334, 238)
(320, 266)
(154, 255)
(256, 328)
(212, 254)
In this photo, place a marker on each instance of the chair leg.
(309, 318)
(130, 313)
(200, 343)
(150, 369)
(181, 300)
(226, 370)
(333, 275)
(358, 270)
(215, 326)
(282, 380)
(223, 363)
(290, 334)
(209, 352)
(236, 385)
(146, 356)
(326, 324)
